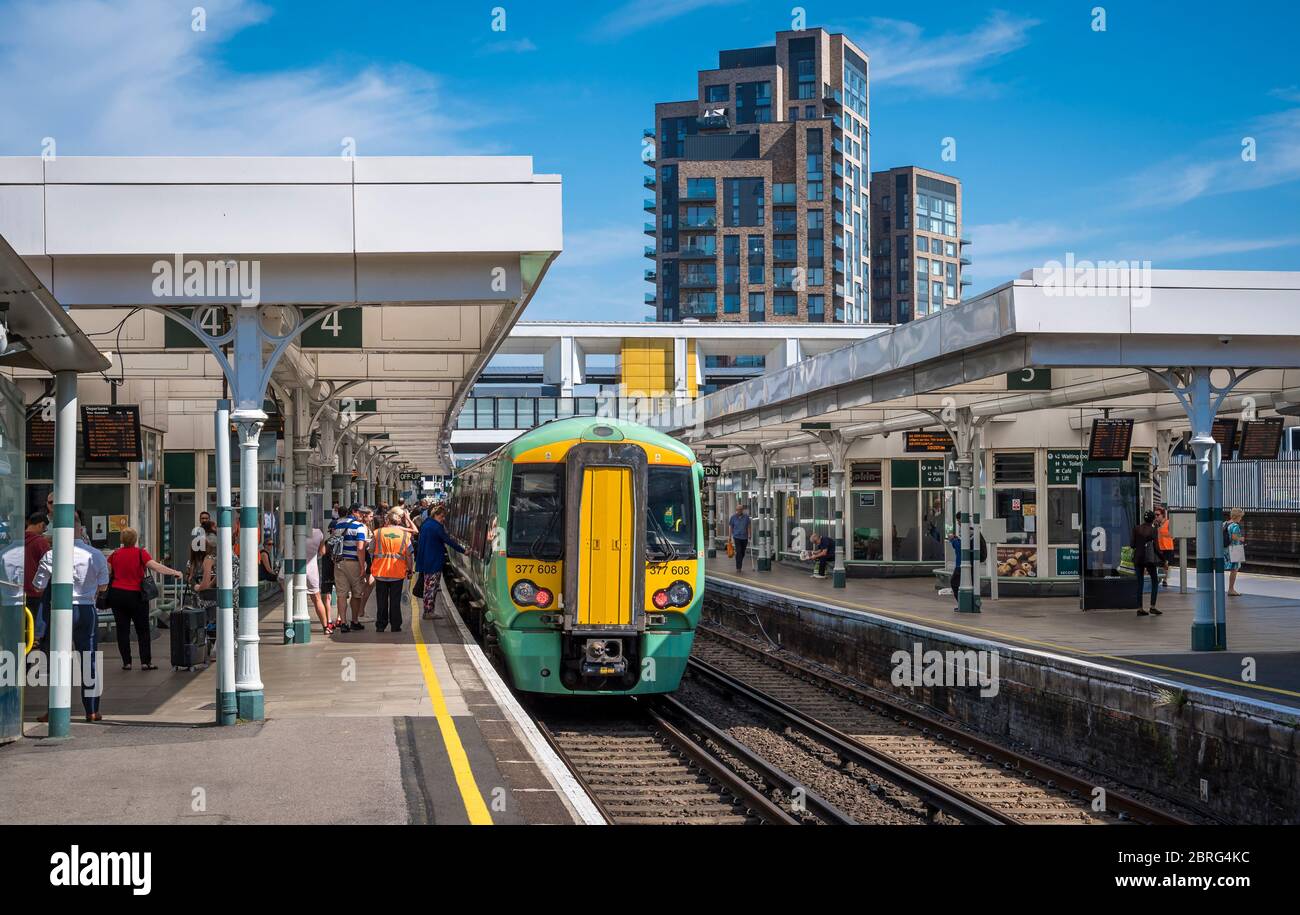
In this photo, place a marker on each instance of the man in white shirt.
(89, 579)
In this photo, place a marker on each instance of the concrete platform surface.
(1263, 625)
(363, 727)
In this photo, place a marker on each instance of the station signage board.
(932, 476)
(927, 442)
(338, 330)
(350, 406)
(40, 438)
(1030, 379)
(1261, 439)
(865, 474)
(214, 319)
(110, 433)
(1111, 439)
(1064, 467)
(712, 470)
(1225, 435)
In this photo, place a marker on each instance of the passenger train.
(584, 569)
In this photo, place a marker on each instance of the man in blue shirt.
(738, 525)
(431, 553)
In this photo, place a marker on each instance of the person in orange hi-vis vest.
(1164, 541)
(391, 566)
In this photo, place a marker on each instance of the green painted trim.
(1205, 637)
(967, 601)
(1204, 565)
(248, 597)
(248, 516)
(838, 578)
(251, 705)
(61, 596)
(60, 722)
(1206, 514)
(64, 515)
(225, 516)
(225, 598)
(227, 708)
(302, 631)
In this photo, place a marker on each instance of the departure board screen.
(110, 433)
(40, 439)
(1110, 440)
(1261, 439)
(1225, 433)
(927, 442)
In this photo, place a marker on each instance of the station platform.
(412, 727)
(1263, 624)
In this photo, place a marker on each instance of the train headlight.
(680, 594)
(524, 593)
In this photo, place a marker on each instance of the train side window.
(535, 529)
(670, 514)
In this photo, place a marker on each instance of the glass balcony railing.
(650, 204)
(650, 251)
(649, 181)
(650, 298)
(651, 276)
(648, 132)
(517, 413)
(832, 96)
(698, 251)
(651, 229)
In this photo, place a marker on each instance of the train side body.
(584, 567)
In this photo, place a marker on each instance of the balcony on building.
(838, 217)
(651, 275)
(838, 241)
(649, 181)
(965, 281)
(964, 261)
(650, 298)
(694, 195)
(650, 251)
(963, 241)
(699, 282)
(650, 228)
(649, 204)
(837, 145)
(832, 96)
(690, 251)
(648, 132)
(713, 119)
(838, 266)
(838, 169)
(707, 224)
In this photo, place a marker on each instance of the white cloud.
(1217, 167)
(639, 14)
(517, 46)
(131, 77)
(902, 56)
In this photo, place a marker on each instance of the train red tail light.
(678, 594)
(543, 598)
(660, 599)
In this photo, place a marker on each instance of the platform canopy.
(435, 259)
(1032, 343)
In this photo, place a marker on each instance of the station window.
(1013, 501)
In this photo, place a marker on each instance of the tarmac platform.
(365, 727)
(1263, 625)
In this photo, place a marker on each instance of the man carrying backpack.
(348, 546)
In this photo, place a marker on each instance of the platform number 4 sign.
(337, 330)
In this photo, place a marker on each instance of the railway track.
(972, 779)
(640, 768)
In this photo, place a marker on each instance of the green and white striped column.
(65, 488)
(300, 444)
(227, 707)
(287, 526)
(839, 576)
(248, 684)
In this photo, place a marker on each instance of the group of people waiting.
(1153, 551)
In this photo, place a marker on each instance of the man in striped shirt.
(350, 569)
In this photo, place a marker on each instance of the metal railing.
(1252, 485)
(527, 412)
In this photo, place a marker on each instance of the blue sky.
(1121, 144)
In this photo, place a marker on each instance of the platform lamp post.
(963, 427)
(61, 612)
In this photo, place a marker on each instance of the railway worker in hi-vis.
(391, 567)
(431, 554)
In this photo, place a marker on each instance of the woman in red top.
(127, 568)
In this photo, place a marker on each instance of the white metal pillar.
(300, 444)
(61, 618)
(227, 707)
(288, 514)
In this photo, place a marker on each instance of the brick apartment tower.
(917, 244)
(760, 183)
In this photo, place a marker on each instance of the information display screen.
(110, 433)
(1261, 439)
(1225, 434)
(927, 442)
(40, 439)
(1110, 440)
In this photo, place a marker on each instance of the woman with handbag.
(1146, 560)
(1235, 548)
(130, 589)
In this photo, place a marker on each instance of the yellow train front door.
(605, 547)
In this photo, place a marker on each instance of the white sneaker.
(815, 575)
(945, 592)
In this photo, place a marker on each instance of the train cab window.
(536, 526)
(670, 514)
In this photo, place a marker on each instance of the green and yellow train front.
(595, 576)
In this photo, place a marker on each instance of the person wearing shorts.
(350, 571)
(315, 548)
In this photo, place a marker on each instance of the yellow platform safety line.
(475, 807)
(1067, 649)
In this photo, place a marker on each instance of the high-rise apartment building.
(761, 203)
(918, 250)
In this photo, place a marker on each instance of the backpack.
(335, 542)
(1227, 537)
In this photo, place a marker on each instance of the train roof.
(576, 427)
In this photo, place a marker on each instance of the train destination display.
(1224, 432)
(111, 433)
(927, 442)
(1110, 440)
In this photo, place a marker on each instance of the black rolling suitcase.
(189, 637)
